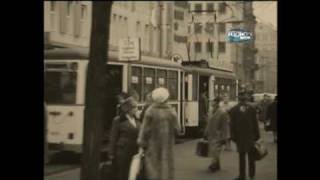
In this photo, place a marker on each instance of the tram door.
(203, 101)
(113, 78)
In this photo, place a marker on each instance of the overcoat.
(157, 136)
(272, 116)
(123, 145)
(244, 126)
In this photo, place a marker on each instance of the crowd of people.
(153, 133)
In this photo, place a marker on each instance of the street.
(191, 167)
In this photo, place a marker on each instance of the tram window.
(195, 88)
(149, 81)
(161, 78)
(60, 87)
(136, 83)
(173, 84)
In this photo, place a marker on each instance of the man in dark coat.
(244, 132)
(272, 117)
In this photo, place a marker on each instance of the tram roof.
(83, 54)
(209, 71)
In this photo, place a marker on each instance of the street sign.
(129, 49)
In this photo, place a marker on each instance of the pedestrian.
(245, 133)
(217, 133)
(227, 106)
(263, 106)
(272, 117)
(203, 111)
(120, 99)
(123, 138)
(157, 136)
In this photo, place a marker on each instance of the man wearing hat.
(216, 131)
(157, 137)
(244, 132)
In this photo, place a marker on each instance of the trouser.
(215, 151)
(242, 164)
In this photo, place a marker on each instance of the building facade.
(209, 23)
(266, 43)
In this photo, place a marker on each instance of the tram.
(65, 81)
(202, 85)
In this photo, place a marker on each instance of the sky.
(266, 11)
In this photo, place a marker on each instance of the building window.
(198, 28)
(53, 6)
(209, 28)
(210, 7)
(178, 15)
(133, 6)
(197, 47)
(83, 12)
(138, 27)
(222, 47)
(222, 8)
(69, 6)
(198, 8)
(222, 27)
(125, 21)
(176, 25)
(210, 48)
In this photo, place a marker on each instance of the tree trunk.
(95, 87)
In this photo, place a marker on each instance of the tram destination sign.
(129, 49)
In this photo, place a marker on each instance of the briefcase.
(203, 148)
(259, 151)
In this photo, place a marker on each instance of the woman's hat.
(160, 95)
(128, 104)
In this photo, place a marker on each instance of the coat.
(272, 116)
(218, 125)
(263, 106)
(157, 136)
(123, 145)
(244, 127)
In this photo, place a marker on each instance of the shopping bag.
(202, 149)
(136, 167)
(259, 151)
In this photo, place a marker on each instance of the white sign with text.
(129, 49)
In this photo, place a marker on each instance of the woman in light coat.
(157, 136)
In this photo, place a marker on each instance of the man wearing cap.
(157, 136)
(244, 132)
(216, 131)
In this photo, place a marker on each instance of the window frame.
(200, 47)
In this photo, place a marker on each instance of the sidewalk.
(191, 167)
(188, 166)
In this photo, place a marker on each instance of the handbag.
(136, 167)
(202, 149)
(259, 151)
